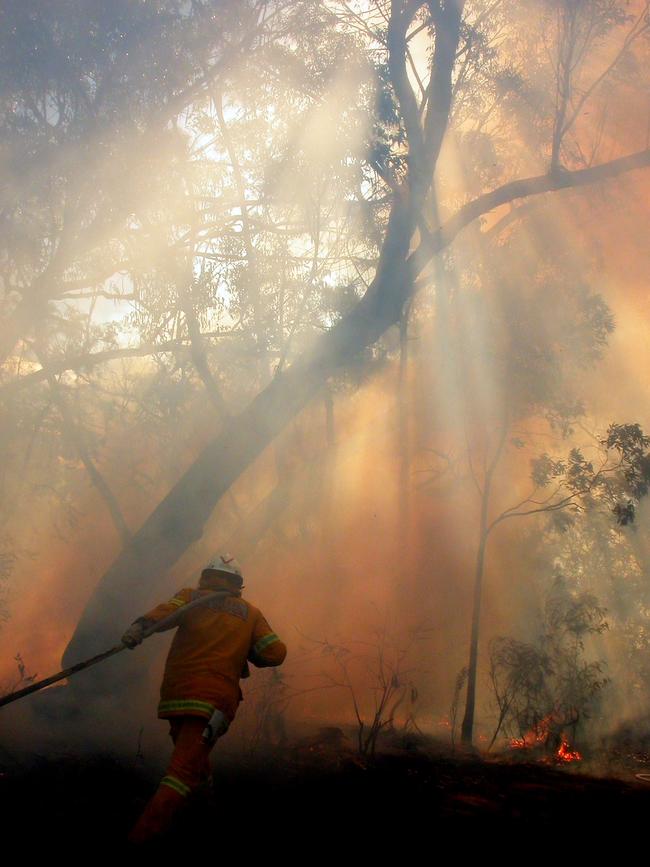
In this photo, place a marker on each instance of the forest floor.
(403, 797)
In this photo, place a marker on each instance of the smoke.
(328, 565)
(358, 532)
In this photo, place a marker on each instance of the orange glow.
(538, 737)
(566, 754)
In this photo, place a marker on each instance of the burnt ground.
(312, 799)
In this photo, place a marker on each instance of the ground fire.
(543, 737)
(566, 754)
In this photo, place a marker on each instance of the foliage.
(619, 482)
(547, 686)
(609, 561)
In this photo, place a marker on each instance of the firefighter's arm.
(266, 648)
(135, 633)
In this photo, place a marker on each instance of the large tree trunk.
(179, 519)
(403, 434)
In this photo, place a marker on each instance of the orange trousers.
(188, 768)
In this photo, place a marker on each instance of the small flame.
(566, 754)
(539, 735)
(536, 736)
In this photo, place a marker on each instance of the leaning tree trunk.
(179, 519)
(403, 434)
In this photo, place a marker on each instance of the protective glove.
(133, 635)
(217, 726)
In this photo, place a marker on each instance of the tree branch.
(92, 359)
(519, 189)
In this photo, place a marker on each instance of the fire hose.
(166, 623)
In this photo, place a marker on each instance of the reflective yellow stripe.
(176, 784)
(177, 601)
(264, 642)
(181, 705)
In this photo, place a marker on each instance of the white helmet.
(224, 563)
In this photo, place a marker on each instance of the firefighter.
(200, 690)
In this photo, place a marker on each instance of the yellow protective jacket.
(210, 652)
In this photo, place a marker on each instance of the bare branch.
(92, 359)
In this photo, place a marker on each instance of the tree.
(530, 345)
(615, 485)
(546, 687)
(511, 364)
(90, 110)
(609, 561)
